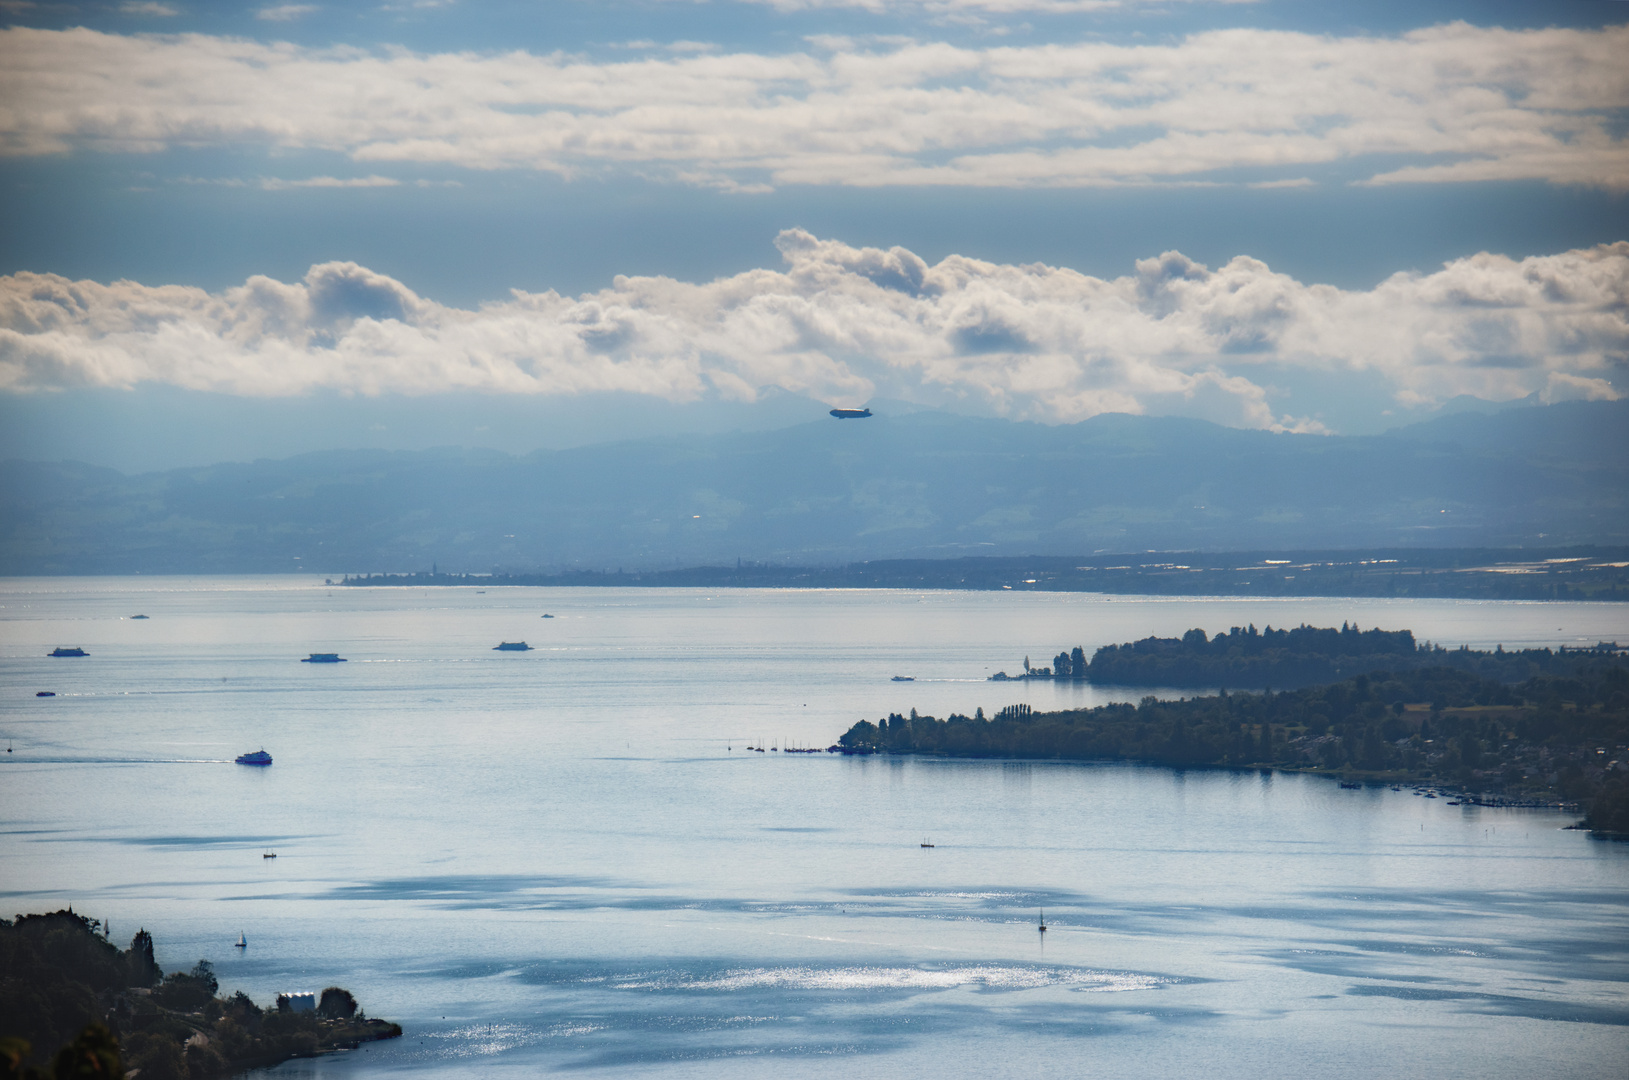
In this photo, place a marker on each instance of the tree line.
(1244, 657)
(1552, 737)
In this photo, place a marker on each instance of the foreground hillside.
(68, 994)
(926, 485)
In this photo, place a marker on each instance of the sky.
(240, 230)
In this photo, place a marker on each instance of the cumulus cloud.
(1451, 103)
(284, 12)
(277, 183)
(274, 184)
(1561, 386)
(845, 324)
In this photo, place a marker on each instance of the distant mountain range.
(923, 485)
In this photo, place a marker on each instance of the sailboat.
(1043, 920)
(243, 942)
(926, 842)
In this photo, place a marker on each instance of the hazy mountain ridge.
(921, 485)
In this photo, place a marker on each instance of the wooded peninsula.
(73, 1004)
(1531, 727)
(1247, 658)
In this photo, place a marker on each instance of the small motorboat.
(546, 615)
(511, 646)
(60, 651)
(258, 757)
(903, 678)
(45, 693)
(138, 616)
(242, 942)
(324, 658)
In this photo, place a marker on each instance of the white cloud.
(1444, 104)
(273, 184)
(1563, 387)
(284, 12)
(149, 9)
(845, 324)
(276, 183)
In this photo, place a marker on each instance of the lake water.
(564, 860)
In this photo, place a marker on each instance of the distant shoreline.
(1572, 573)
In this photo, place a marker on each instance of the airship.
(851, 414)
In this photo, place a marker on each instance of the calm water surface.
(564, 860)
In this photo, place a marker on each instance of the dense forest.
(64, 985)
(1550, 738)
(1245, 657)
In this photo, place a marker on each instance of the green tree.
(189, 990)
(94, 1055)
(336, 1004)
(140, 967)
(157, 1055)
(1608, 811)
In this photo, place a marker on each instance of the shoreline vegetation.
(1526, 728)
(1247, 658)
(64, 985)
(1570, 573)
